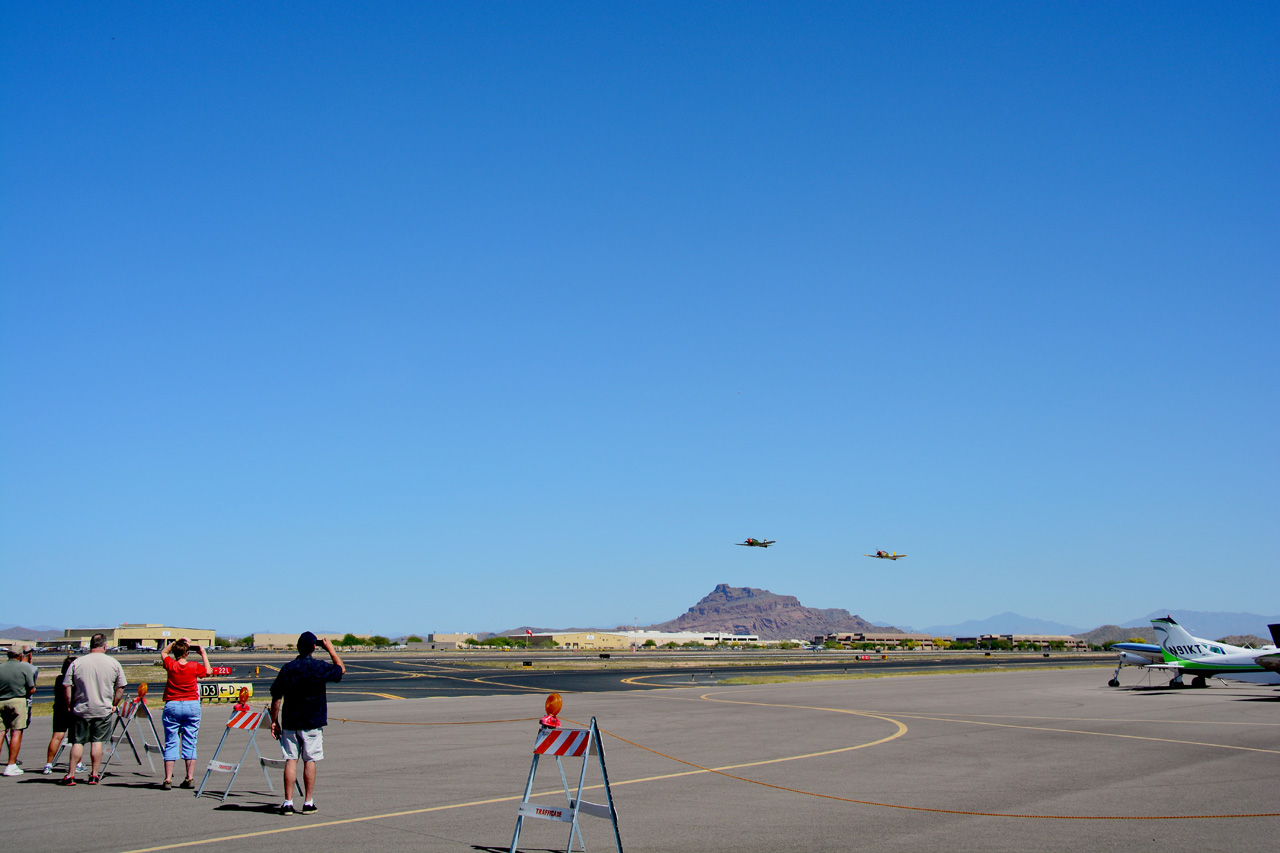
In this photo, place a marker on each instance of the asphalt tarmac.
(1045, 760)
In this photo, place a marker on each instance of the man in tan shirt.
(94, 685)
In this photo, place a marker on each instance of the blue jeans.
(180, 717)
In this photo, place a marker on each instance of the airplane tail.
(1170, 633)
(1275, 633)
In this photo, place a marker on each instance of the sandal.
(69, 781)
(168, 785)
(95, 779)
(187, 783)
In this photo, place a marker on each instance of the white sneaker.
(79, 766)
(48, 768)
(13, 770)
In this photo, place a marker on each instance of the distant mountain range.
(17, 632)
(1003, 623)
(1213, 625)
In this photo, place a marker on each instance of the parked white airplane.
(1180, 653)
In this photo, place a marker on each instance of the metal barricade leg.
(146, 747)
(263, 765)
(209, 768)
(121, 720)
(608, 791)
(569, 799)
(234, 773)
(582, 778)
(528, 789)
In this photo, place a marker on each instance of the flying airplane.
(757, 543)
(1182, 654)
(885, 555)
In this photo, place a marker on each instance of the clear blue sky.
(463, 316)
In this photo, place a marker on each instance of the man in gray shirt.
(17, 683)
(94, 685)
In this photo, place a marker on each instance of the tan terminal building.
(137, 635)
(289, 641)
(581, 640)
(440, 642)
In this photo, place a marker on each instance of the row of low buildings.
(881, 641)
(591, 640)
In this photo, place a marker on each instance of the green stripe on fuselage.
(1192, 665)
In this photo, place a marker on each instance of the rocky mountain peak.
(747, 610)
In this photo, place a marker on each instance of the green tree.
(221, 642)
(832, 644)
(413, 638)
(379, 640)
(671, 645)
(352, 640)
(650, 644)
(245, 641)
(787, 644)
(470, 641)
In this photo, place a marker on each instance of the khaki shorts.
(14, 713)
(89, 731)
(305, 743)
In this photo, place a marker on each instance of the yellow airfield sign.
(223, 691)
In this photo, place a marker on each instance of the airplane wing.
(1271, 662)
(1147, 651)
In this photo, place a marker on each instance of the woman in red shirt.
(182, 707)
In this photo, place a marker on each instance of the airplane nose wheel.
(1199, 681)
(1115, 676)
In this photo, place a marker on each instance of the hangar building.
(137, 635)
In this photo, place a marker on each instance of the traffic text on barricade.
(560, 744)
(243, 718)
(129, 715)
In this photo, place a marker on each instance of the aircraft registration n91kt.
(757, 543)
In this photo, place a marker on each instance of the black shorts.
(89, 731)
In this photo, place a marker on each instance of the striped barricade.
(242, 719)
(569, 743)
(127, 715)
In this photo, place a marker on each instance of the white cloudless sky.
(461, 316)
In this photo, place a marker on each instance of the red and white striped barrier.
(569, 743)
(245, 719)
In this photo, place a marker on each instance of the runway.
(387, 675)
(1005, 761)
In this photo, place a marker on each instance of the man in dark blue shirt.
(300, 685)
